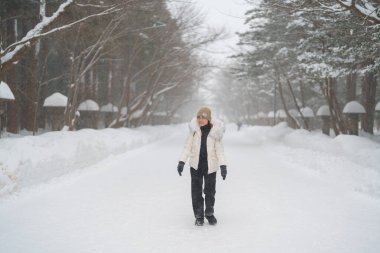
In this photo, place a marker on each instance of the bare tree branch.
(367, 9)
(37, 33)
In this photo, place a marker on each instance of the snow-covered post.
(108, 113)
(308, 114)
(281, 116)
(295, 114)
(55, 106)
(261, 118)
(324, 113)
(271, 115)
(5, 96)
(352, 110)
(89, 114)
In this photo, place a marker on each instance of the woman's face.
(202, 121)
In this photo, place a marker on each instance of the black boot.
(199, 222)
(211, 220)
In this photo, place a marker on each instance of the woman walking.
(205, 149)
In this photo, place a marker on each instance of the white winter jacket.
(215, 150)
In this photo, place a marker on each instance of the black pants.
(196, 192)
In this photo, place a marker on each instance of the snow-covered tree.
(312, 48)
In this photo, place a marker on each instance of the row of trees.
(136, 54)
(301, 53)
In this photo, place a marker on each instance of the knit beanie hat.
(204, 112)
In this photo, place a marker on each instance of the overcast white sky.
(227, 13)
(221, 13)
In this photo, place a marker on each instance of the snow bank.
(31, 160)
(358, 158)
(351, 162)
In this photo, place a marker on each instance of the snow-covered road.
(278, 197)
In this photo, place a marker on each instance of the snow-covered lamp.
(294, 113)
(55, 106)
(307, 112)
(108, 113)
(281, 114)
(261, 119)
(88, 105)
(6, 95)
(308, 115)
(293, 122)
(56, 100)
(324, 113)
(262, 115)
(89, 110)
(353, 109)
(109, 108)
(5, 92)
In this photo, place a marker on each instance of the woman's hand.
(223, 171)
(180, 167)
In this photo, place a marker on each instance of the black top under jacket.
(203, 152)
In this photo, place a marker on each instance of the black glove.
(180, 167)
(223, 171)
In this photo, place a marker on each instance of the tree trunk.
(369, 84)
(338, 112)
(42, 89)
(13, 117)
(30, 92)
(302, 91)
(306, 123)
(337, 119)
(351, 87)
(291, 119)
(72, 97)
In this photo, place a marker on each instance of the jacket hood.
(216, 131)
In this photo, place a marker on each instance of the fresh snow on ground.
(118, 191)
